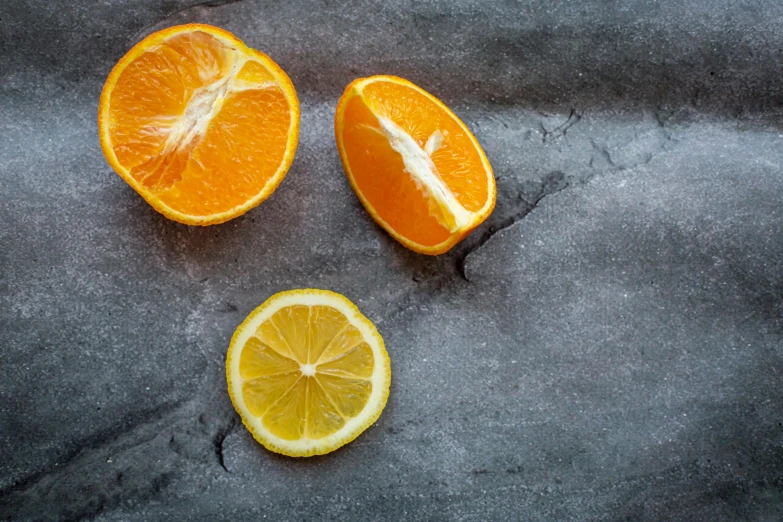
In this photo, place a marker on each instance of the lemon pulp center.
(306, 372)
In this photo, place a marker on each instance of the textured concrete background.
(607, 346)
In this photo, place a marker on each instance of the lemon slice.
(307, 372)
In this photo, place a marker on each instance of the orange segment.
(203, 127)
(416, 167)
(378, 174)
(459, 163)
(252, 74)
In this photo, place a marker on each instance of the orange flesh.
(379, 171)
(306, 372)
(169, 130)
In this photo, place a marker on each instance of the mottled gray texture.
(608, 346)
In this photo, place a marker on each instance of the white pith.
(204, 104)
(380, 378)
(419, 165)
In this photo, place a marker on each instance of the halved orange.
(415, 166)
(200, 125)
(307, 372)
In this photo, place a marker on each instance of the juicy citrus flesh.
(307, 372)
(202, 126)
(413, 163)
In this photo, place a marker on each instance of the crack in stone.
(603, 151)
(98, 442)
(112, 471)
(643, 157)
(656, 143)
(657, 115)
(562, 129)
(552, 183)
(220, 438)
(104, 475)
(513, 207)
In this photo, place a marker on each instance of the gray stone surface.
(608, 346)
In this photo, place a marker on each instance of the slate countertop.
(607, 346)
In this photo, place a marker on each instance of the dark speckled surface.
(607, 346)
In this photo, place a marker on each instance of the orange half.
(415, 166)
(203, 127)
